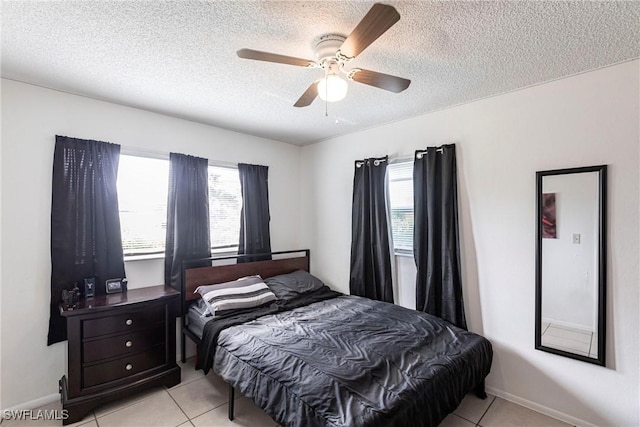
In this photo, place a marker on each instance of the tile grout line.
(567, 338)
(208, 410)
(486, 410)
(179, 407)
(570, 330)
(571, 350)
(567, 333)
(471, 421)
(462, 418)
(128, 404)
(195, 416)
(182, 384)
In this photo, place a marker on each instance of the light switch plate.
(576, 238)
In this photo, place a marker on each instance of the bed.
(321, 358)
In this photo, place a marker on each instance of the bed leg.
(231, 401)
(480, 391)
(182, 346)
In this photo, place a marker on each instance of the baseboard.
(539, 408)
(36, 403)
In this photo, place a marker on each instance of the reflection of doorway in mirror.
(569, 264)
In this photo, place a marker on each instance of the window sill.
(214, 253)
(224, 252)
(407, 254)
(128, 258)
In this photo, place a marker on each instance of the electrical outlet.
(576, 238)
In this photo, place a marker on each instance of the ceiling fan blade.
(308, 96)
(380, 80)
(379, 19)
(273, 57)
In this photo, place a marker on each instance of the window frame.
(408, 160)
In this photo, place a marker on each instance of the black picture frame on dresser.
(118, 345)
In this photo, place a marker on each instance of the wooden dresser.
(119, 344)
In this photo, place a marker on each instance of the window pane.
(400, 176)
(142, 199)
(225, 203)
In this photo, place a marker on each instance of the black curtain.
(187, 215)
(436, 247)
(370, 255)
(85, 222)
(254, 217)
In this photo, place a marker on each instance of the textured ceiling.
(178, 58)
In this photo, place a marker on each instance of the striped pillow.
(247, 292)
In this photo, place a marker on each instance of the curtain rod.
(376, 162)
(421, 153)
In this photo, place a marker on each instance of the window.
(225, 203)
(142, 197)
(400, 178)
(143, 185)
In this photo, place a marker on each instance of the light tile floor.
(569, 339)
(201, 400)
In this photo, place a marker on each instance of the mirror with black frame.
(570, 262)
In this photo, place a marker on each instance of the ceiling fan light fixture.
(332, 88)
(333, 51)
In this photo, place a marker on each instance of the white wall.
(31, 117)
(1, 255)
(589, 119)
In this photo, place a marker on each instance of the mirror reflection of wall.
(569, 272)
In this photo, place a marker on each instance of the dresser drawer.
(124, 344)
(123, 367)
(129, 321)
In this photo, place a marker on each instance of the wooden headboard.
(194, 277)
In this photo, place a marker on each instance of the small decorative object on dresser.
(113, 286)
(119, 344)
(89, 287)
(70, 297)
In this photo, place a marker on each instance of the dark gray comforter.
(350, 361)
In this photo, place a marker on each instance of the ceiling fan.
(334, 51)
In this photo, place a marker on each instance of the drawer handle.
(128, 344)
(128, 367)
(129, 322)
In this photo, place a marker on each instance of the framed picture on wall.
(549, 230)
